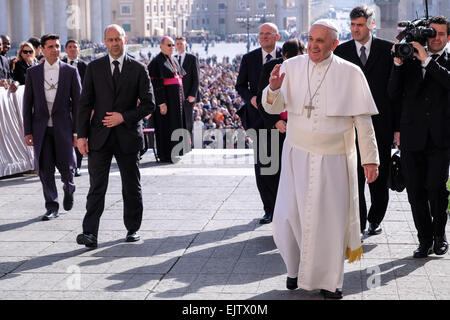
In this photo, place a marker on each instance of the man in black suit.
(423, 84)
(373, 56)
(112, 87)
(189, 63)
(73, 51)
(247, 87)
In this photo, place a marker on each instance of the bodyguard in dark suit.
(423, 84)
(52, 92)
(5, 69)
(111, 89)
(374, 57)
(73, 51)
(189, 63)
(247, 87)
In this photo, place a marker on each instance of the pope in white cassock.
(316, 219)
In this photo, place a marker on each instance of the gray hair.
(363, 11)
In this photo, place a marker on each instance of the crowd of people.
(324, 95)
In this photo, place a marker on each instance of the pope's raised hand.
(276, 80)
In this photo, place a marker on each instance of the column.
(96, 21)
(20, 25)
(60, 13)
(3, 17)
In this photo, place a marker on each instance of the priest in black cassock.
(166, 75)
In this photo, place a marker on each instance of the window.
(125, 10)
(222, 6)
(148, 26)
(148, 9)
(221, 21)
(126, 27)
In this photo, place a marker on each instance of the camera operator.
(423, 85)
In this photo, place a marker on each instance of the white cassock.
(316, 217)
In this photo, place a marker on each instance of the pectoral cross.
(309, 107)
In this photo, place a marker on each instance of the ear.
(278, 36)
(335, 44)
(372, 25)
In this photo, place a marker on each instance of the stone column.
(20, 25)
(96, 21)
(60, 13)
(3, 17)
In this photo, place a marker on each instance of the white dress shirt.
(120, 59)
(51, 79)
(183, 56)
(273, 54)
(368, 45)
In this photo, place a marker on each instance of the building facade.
(77, 19)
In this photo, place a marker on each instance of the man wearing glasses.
(247, 87)
(166, 74)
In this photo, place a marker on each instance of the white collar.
(120, 59)
(323, 62)
(439, 53)
(367, 45)
(273, 53)
(49, 66)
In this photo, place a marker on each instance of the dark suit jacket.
(98, 94)
(191, 78)
(81, 67)
(247, 87)
(35, 109)
(269, 119)
(5, 68)
(425, 102)
(377, 71)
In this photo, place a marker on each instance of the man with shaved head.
(316, 219)
(118, 91)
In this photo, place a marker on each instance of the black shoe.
(88, 239)
(440, 246)
(291, 283)
(331, 295)
(374, 229)
(50, 215)
(132, 236)
(423, 251)
(266, 219)
(77, 172)
(68, 201)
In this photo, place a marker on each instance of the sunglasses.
(27, 51)
(170, 45)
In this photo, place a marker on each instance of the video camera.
(417, 30)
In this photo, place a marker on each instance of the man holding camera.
(423, 85)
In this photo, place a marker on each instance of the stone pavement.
(200, 240)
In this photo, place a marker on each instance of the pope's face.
(320, 43)
(439, 42)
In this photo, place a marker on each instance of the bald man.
(112, 87)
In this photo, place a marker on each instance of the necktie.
(434, 57)
(363, 56)
(179, 60)
(116, 74)
(268, 57)
(71, 63)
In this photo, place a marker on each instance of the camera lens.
(405, 50)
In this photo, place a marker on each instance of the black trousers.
(49, 159)
(379, 192)
(79, 158)
(99, 163)
(267, 184)
(426, 174)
